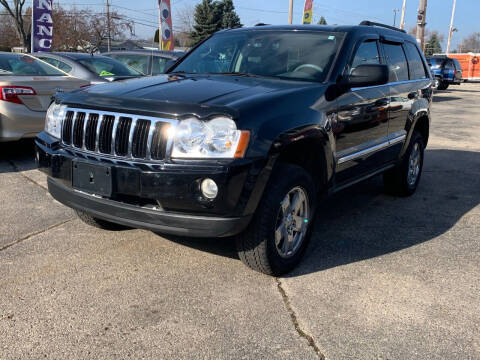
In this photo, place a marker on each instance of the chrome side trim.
(361, 153)
(391, 84)
(397, 138)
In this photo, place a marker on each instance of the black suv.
(244, 136)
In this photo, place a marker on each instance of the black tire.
(396, 180)
(442, 85)
(99, 223)
(256, 245)
(436, 83)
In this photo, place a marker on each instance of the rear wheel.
(403, 180)
(441, 84)
(276, 238)
(98, 223)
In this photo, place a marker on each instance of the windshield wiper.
(236, 73)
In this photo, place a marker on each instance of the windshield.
(299, 55)
(105, 66)
(25, 65)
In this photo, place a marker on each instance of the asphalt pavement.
(384, 278)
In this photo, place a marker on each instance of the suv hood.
(221, 90)
(202, 95)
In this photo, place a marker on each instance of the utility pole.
(109, 39)
(290, 12)
(402, 19)
(395, 16)
(421, 23)
(450, 33)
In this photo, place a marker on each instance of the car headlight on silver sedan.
(215, 138)
(53, 121)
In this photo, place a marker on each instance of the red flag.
(166, 21)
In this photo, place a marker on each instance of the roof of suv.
(163, 53)
(374, 28)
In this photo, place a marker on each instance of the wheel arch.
(310, 149)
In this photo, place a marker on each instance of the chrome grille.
(116, 134)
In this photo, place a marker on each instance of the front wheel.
(276, 238)
(403, 180)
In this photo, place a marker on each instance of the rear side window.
(367, 53)
(159, 65)
(415, 63)
(57, 63)
(26, 65)
(397, 62)
(137, 62)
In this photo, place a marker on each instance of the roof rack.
(370, 23)
(261, 24)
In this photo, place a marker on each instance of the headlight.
(53, 121)
(216, 138)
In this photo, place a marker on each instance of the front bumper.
(164, 198)
(143, 218)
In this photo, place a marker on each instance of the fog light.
(209, 188)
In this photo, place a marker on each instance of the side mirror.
(368, 75)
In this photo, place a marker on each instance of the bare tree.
(22, 24)
(8, 33)
(470, 43)
(185, 17)
(99, 28)
(72, 30)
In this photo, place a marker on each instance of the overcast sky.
(467, 18)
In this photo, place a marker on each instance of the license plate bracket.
(92, 178)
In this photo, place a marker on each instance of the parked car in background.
(244, 136)
(93, 68)
(445, 71)
(149, 62)
(26, 89)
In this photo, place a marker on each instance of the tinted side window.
(58, 64)
(457, 64)
(137, 62)
(415, 63)
(159, 65)
(397, 62)
(367, 53)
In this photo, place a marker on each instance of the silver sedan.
(26, 88)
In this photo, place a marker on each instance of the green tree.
(226, 16)
(322, 21)
(433, 45)
(213, 16)
(205, 22)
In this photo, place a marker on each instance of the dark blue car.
(446, 71)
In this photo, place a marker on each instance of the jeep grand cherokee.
(244, 135)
